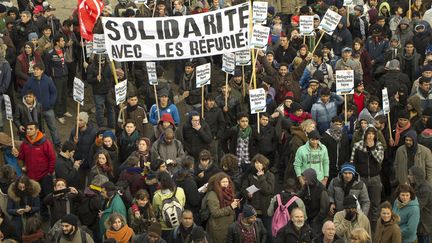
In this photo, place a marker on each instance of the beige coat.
(344, 227)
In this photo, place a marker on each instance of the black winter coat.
(216, 121)
(340, 152)
(194, 141)
(266, 141)
(209, 172)
(85, 141)
(103, 86)
(261, 199)
(235, 231)
(289, 234)
(64, 169)
(22, 116)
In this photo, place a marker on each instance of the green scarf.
(243, 134)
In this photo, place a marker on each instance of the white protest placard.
(141, 2)
(348, 2)
(344, 82)
(228, 62)
(203, 188)
(257, 99)
(88, 48)
(259, 39)
(203, 75)
(243, 58)
(386, 102)
(8, 107)
(99, 44)
(259, 15)
(151, 73)
(78, 91)
(330, 21)
(120, 92)
(306, 24)
(177, 37)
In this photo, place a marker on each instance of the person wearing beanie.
(335, 139)
(368, 154)
(412, 154)
(313, 155)
(248, 228)
(316, 200)
(197, 134)
(318, 64)
(348, 62)
(86, 136)
(153, 234)
(347, 183)
(325, 108)
(236, 84)
(350, 218)
(71, 232)
(137, 113)
(112, 204)
(198, 234)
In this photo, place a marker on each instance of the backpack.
(125, 193)
(281, 215)
(204, 211)
(171, 211)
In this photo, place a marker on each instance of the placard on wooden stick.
(344, 82)
(78, 90)
(151, 73)
(257, 99)
(120, 92)
(203, 75)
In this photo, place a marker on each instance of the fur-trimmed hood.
(36, 189)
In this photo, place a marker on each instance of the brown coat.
(422, 159)
(220, 219)
(388, 232)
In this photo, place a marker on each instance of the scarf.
(347, 186)
(399, 131)
(130, 108)
(299, 119)
(245, 133)
(335, 132)
(121, 236)
(247, 231)
(226, 197)
(32, 113)
(105, 168)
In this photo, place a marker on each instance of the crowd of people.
(315, 167)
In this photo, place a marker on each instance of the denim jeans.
(61, 101)
(101, 101)
(49, 118)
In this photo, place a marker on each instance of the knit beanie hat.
(349, 202)
(70, 219)
(348, 167)
(84, 116)
(248, 211)
(198, 233)
(155, 229)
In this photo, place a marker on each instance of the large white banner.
(171, 38)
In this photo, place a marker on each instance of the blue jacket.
(323, 113)
(409, 219)
(44, 89)
(171, 109)
(376, 50)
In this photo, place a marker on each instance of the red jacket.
(38, 156)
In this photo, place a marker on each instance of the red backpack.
(281, 215)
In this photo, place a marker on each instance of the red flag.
(88, 13)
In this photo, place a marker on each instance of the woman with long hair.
(141, 213)
(407, 207)
(118, 229)
(24, 64)
(110, 145)
(221, 203)
(387, 229)
(102, 165)
(360, 235)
